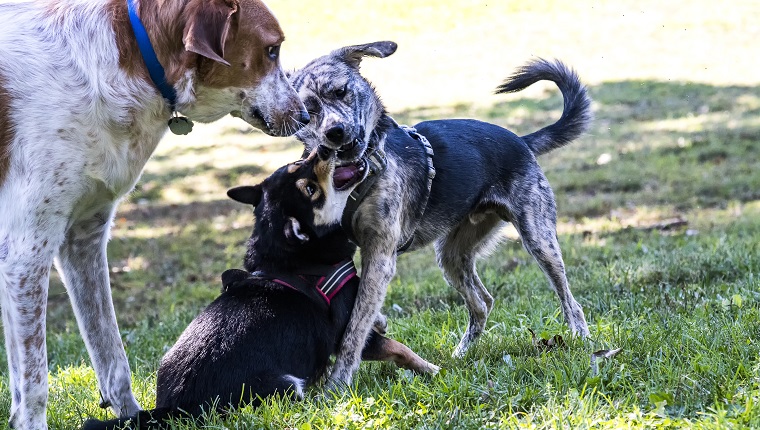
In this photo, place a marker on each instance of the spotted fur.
(486, 176)
(79, 118)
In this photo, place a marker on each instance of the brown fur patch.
(252, 29)
(130, 59)
(6, 130)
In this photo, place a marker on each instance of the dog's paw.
(429, 369)
(381, 324)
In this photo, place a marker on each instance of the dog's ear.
(207, 28)
(250, 194)
(353, 54)
(293, 232)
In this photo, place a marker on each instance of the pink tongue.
(343, 175)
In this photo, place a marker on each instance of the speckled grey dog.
(485, 176)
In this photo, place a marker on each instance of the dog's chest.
(71, 102)
(118, 156)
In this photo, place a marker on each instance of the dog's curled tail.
(576, 115)
(144, 420)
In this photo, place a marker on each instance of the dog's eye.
(273, 52)
(310, 189)
(340, 92)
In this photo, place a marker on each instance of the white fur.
(332, 211)
(83, 131)
(297, 384)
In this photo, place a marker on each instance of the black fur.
(258, 335)
(576, 115)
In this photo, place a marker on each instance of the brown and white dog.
(79, 118)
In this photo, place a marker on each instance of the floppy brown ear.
(354, 54)
(207, 28)
(293, 232)
(250, 194)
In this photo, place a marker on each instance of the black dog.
(275, 326)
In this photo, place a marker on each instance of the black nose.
(303, 117)
(336, 134)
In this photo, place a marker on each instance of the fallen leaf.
(555, 341)
(604, 353)
(669, 224)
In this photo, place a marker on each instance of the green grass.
(676, 137)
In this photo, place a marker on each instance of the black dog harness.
(376, 159)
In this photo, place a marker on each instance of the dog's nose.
(303, 117)
(336, 134)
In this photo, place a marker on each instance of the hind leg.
(533, 213)
(457, 254)
(381, 348)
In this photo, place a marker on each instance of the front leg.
(24, 280)
(378, 267)
(83, 265)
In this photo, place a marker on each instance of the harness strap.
(330, 285)
(327, 286)
(377, 165)
(411, 131)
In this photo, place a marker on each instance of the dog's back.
(472, 156)
(257, 339)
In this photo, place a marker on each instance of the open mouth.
(348, 175)
(348, 147)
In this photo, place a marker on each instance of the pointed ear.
(353, 54)
(207, 28)
(246, 194)
(293, 233)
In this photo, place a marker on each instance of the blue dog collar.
(155, 70)
(177, 124)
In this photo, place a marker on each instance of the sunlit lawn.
(659, 211)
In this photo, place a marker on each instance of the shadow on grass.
(681, 145)
(152, 185)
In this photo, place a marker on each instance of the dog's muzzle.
(349, 174)
(348, 147)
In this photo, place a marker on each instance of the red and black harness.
(321, 282)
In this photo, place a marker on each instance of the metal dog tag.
(180, 125)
